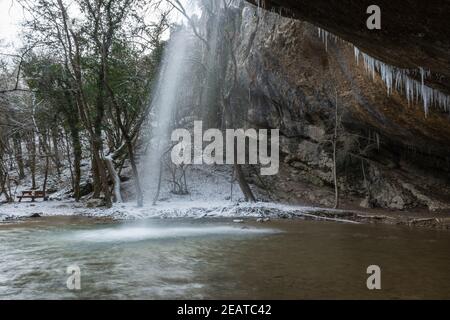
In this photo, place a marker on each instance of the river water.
(220, 259)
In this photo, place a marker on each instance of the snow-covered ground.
(166, 209)
(211, 194)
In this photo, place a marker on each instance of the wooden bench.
(32, 194)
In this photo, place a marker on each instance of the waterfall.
(177, 90)
(168, 92)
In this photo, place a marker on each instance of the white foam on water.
(128, 234)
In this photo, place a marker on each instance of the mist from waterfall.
(163, 106)
(178, 86)
(194, 64)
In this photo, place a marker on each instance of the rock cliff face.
(390, 154)
(413, 33)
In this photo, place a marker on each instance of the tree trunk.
(243, 184)
(19, 155)
(239, 174)
(96, 178)
(94, 129)
(10, 196)
(4, 182)
(137, 182)
(56, 155)
(97, 142)
(100, 165)
(155, 199)
(129, 143)
(115, 177)
(31, 146)
(68, 150)
(336, 189)
(335, 138)
(44, 187)
(104, 179)
(77, 153)
(73, 122)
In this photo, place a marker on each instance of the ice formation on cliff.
(397, 78)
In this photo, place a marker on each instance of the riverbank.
(260, 211)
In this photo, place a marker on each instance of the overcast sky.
(11, 15)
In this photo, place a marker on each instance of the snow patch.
(170, 209)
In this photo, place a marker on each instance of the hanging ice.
(396, 78)
(400, 79)
(325, 36)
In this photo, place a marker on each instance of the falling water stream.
(176, 85)
(167, 97)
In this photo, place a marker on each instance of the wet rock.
(326, 202)
(397, 203)
(365, 203)
(95, 203)
(400, 48)
(316, 133)
(432, 204)
(425, 222)
(284, 78)
(308, 151)
(36, 215)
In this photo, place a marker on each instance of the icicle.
(356, 49)
(324, 36)
(408, 90)
(259, 8)
(424, 91)
(400, 80)
(396, 78)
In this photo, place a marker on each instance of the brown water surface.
(219, 259)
